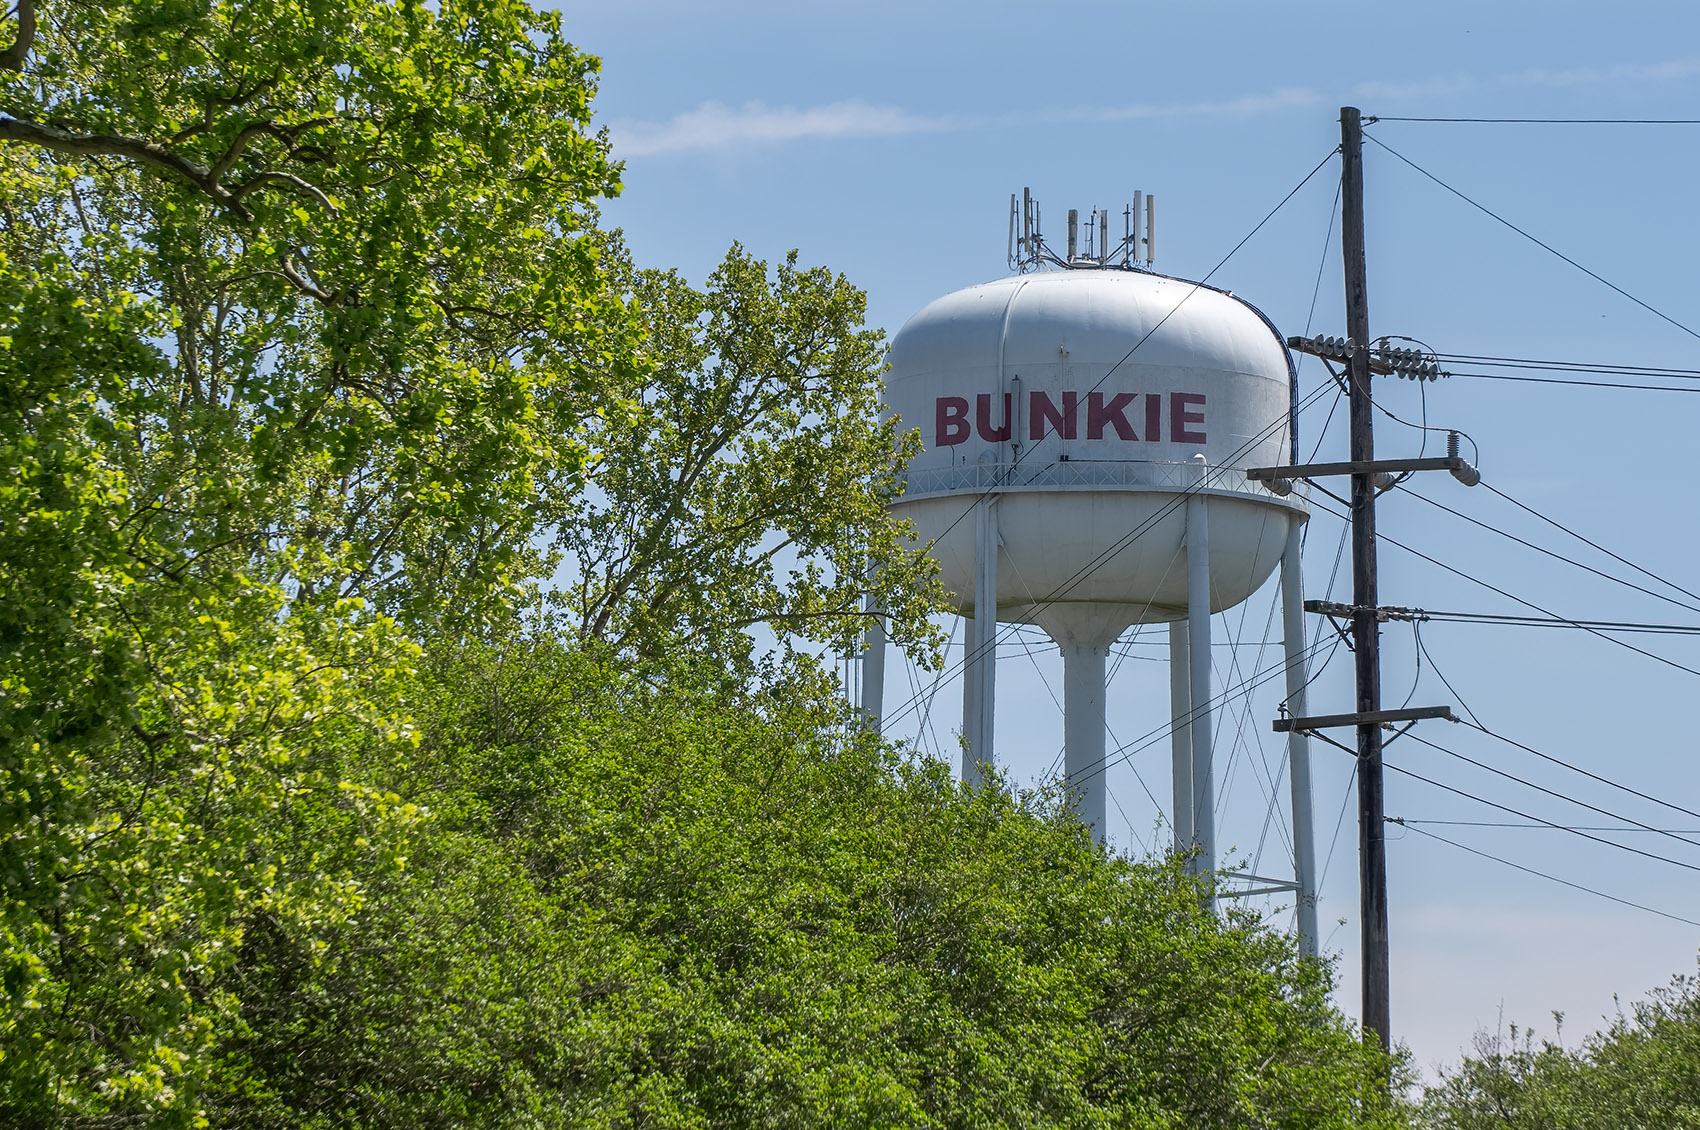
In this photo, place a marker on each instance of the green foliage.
(362, 232)
(312, 364)
(273, 388)
(692, 905)
(746, 483)
(1640, 1073)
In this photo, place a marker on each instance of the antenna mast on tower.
(1134, 251)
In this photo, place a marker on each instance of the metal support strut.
(1203, 798)
(1298, 743)
(980, 672)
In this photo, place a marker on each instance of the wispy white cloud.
(1625, 72)
(714, 125)
(1668, 71)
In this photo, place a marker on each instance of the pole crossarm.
(1357, 467)
(1364, 718)
(1412, 364)
(1346, 611)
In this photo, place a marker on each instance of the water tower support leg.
(1083, 734)
(873, 668)
(1298, 744)
(980, 671)
(1198, 631)
(1180, 734)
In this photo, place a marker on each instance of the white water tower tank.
(1075, 424)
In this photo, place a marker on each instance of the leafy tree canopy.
(314, 369)
(1642, 1071)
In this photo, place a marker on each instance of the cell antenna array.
(1093, 247)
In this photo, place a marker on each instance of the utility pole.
(1366, 631)
(1368, 474)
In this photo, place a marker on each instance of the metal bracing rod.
(1298, 743)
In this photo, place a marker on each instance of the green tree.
(1642, 1071)
(746, 482)
(673, 899)
(363, 235)
(278, 399)
(310, 351)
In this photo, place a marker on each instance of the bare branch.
(288, 179)
(108, 145)
(12, 59)
(300, 283)
(233, 154)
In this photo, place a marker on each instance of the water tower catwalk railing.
(1144, 474)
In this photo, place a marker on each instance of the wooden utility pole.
(1365, 613)
(1366, 632)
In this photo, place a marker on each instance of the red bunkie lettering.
(1181, 415)
(1114, 414)
(950, 421)
(1043, 408)
(983, 418)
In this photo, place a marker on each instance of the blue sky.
(883, 139)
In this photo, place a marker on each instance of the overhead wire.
(1575, 383)
(1601, 368)
(1553, 878)
(1544, 121)
(1554, 554)
(1541, 827)
(1672, 805)
(1651, 309)
(1420, 740)
(1531, 816)
(1505, 620)
(1520, 600)
(1557, 525)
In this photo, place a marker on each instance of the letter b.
(950, 421)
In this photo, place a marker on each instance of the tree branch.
(290, 180)
(108, 145)
(12, 59)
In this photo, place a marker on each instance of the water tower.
(1087, 424)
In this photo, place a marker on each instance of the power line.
(1578, 769)
(1544, 246)
(1544, 875)
(1570, 366)
(1550, 792)
(1557, 525)
(1547, 121)
(1544, 827)
(1530, 816)
(1475, 723)
(1509, 596)
(1574, 383)
(1503, 620)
